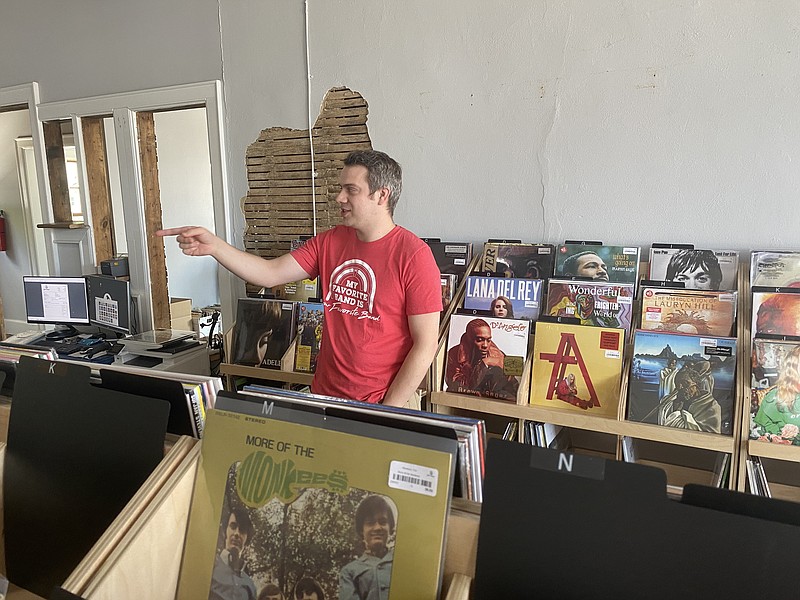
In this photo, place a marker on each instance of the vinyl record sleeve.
(595, 303)
(775, 416)
(683, 381)
(486, 356)
(524, 295)
(689, 311)
(300, 491)
(774, 268)
(310, 326)
(264, 331)
(617, 264)
(577, 367)
(451, 257)
(532, 261)
(776, 313)
(697, 269)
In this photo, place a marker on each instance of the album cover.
(774, 269)
(696, 269)
(776, 313)
(486, 356)
(310, 316)
(689, 311)
(615, 264)
(683, 381)
(451, 257)
(577, 367)
(263, 333)
(775, 392)
(449, 287)
(278, 503)
(532, 261)
(595, 303)
(514, 298)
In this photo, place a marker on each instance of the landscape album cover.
(486, 356)
(277, 504)
(521, 298)
(595, 303)
(689, 311)
(615, 264)
(684, 381)
(577, 367)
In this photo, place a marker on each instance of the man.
(368, 577)
(380, 286)
(228, 580)
(696, 269)
(308, 589)
(270, 592)
(476, 365)
(586, 264)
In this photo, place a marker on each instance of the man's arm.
(198, 241)
(424, 331)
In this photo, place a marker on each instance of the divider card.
(321, 501)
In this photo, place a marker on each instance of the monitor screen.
(109, 302)
(56, 300)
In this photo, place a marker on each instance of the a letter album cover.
(578, 368)
(614, 264)
(775, 392)
(774, 269)
(309, 336)
(683, 381)
(449, 288)
(532, 261)
(263, 333)
(696, 269)
(594, 303)
(279, 506)
(689, 311)
(513, 298)
(486, 356)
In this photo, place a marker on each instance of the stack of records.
(689, 311)
(264, 331)
(695, 269)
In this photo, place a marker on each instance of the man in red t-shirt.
(380, 286)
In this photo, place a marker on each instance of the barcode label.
(413, 478)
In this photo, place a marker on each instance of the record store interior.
(380, 300)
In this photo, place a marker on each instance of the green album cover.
(287, 506)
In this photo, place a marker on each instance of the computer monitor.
(109, 302)
(57, 301)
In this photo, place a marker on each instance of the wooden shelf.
(567, 418)
(232, 370)
(777, 451)
(64, 225)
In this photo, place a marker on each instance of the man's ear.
(383, 196)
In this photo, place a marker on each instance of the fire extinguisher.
(2, 231)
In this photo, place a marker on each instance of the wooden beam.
(57, 171)
(94, 148)
(148, 154)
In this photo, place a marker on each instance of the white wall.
(628, 121)
(15, 261)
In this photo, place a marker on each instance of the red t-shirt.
(369, 289)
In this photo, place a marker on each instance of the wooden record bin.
(139, 555)
(686, 456)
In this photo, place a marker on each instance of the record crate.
(140, 554)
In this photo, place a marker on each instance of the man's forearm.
(254, 269)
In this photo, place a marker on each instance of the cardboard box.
(180, 312)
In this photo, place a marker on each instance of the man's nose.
(340, 197)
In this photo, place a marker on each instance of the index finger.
(174, 231)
